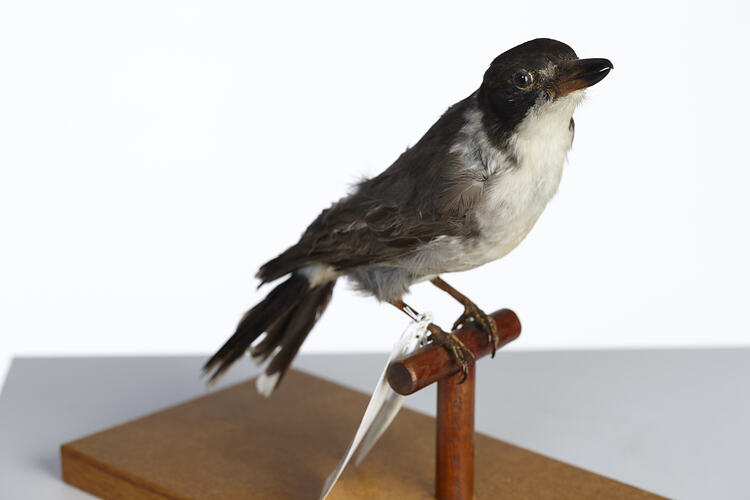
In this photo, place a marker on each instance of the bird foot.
(484, 321)
(461, 354)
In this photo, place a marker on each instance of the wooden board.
(234, 444)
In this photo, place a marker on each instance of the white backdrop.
(154, 154)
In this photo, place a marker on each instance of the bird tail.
(286, 316)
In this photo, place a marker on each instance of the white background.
(154, 154)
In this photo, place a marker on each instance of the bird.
(467, 193)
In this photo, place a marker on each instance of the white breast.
(517, 193)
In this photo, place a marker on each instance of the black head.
(532, 74)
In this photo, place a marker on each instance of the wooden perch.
(433, 362)
(454, 453)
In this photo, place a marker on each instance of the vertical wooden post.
(454, 465)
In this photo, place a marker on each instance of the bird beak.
(579, 74)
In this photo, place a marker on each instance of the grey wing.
(363, 229)
(428, 192)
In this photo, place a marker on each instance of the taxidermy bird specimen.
(466, 194)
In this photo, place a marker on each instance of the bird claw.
(484, 321)
(461, 354)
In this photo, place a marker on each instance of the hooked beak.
(579, 74)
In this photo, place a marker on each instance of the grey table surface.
(674, 422)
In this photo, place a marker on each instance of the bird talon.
(464, 369)
(460, 353)
(482, 320)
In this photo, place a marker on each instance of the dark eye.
(523, 79)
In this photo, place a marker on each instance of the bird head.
(533, 75)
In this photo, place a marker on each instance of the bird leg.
(461, 354)
(471, 313)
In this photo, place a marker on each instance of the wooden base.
(234, 443)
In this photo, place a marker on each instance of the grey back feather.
(423, 195)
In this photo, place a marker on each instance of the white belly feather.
(515, 194)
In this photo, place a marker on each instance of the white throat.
(518, 191)
(543, 138)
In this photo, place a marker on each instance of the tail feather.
(263, 349)
(280, 300)
(302, 319)
(286, 316)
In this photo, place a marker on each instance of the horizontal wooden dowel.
(433, 362)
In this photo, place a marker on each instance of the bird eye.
(523, 79)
